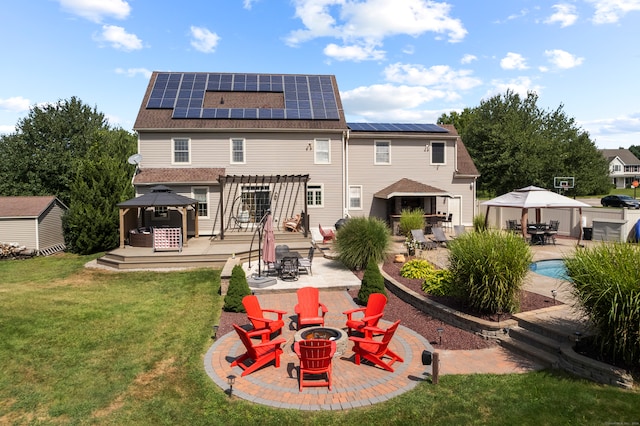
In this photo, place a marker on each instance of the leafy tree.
(42, 157)
(635, 150)
(514, 144)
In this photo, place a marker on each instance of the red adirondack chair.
(372, 314)
(309, 309)
(260, 353)
(259, 321)
(375, 350)
(315, 359)
(327, 234)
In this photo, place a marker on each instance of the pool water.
(551, 268)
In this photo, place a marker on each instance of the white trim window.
(355, 197)
(322, 151)
(181, 150)
(238, 154)
(382, 153)
(315, 195)
(201, 194)
(438, 153)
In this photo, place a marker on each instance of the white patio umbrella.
(534, 197)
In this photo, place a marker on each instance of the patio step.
(529, 351)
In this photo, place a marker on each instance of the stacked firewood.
(13, 250)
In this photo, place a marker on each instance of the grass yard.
(82, 346)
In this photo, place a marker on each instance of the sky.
(395, 61)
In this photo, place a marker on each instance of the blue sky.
(394, 60)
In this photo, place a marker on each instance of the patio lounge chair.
(419, 238)
(293, 223)
(439, 237)
(459, 230)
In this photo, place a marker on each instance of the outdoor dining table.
(537, 231)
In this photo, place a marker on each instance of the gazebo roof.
(534, 197)
(159, 196)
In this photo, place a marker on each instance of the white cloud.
(565, 14)
(247, 4)
(204, 40)
(15, 104)
(610, 11)
(353, 53)
(118, 38)
(520, 85)
(132, 72)
(613, 132)
(368, 22)
(7, 129)
(409, 49)
(438, 76)
(468, 58)
(513, 61)
(562, 59)
(97, 10)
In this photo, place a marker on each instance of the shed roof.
(26, 206)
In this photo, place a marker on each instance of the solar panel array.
(396, 127)
(306, 97)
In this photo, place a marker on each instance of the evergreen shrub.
(238, 289)
(372, 282)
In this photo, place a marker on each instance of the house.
(33, 222)
(624, 167)
(243, 144)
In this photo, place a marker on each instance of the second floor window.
(237, 151)
(437, 153)
(181, 151)
(322, 151)
(383, 152)
(314, 196)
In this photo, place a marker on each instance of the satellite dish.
(135, 159)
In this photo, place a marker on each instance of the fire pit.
(325, 333)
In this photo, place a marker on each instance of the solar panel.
(396, 127)
(306, 96)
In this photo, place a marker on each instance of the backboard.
(564, 182)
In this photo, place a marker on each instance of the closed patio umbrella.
(269, 244)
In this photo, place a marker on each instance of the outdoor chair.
(241, 219)
(376, 351)
(260, 322)
(327, 234)
(289, 268)
(439, 237)
(305, 262)
(459, 230)
(371, 315)
(551, 232)
(293, 223)
(309, 310)
(316, 357)
(281, 251)
(260, 353)
(420, 239)
(448, 221)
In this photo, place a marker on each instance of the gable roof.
(160, 196)
(408, 187)
(202, 175)
(624, 155)
(26, 206)
(180, 100)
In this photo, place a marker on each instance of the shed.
(34, 222)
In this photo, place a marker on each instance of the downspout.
(345, 172)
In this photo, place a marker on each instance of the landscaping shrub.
(417, 268)
(238, 289)
(362, 239)
(372, 282)
(488, 269)
(478, 223)
(411, 219)
(440, 283)
(606, 283)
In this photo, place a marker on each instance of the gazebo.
(534, 197)
(160, 196)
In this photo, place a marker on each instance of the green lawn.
(82, 346)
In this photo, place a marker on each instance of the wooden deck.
(203, 252)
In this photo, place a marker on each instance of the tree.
(238, 289)
(635, 150)
(42, 157)
(514, 144)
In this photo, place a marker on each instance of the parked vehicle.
(620, 201)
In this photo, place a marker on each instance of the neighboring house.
(33, 222)
(624, 167)
(242, 144)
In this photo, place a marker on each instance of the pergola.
(160, 196)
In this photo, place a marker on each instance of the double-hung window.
(314, 196)
(437, 153)
(238, 151)
(322, 151)
(355, 197)
(202, 196)
(181, 151)
(382, 152)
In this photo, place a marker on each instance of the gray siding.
(50, 227)
(21, 231)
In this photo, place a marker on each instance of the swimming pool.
(554, 268)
